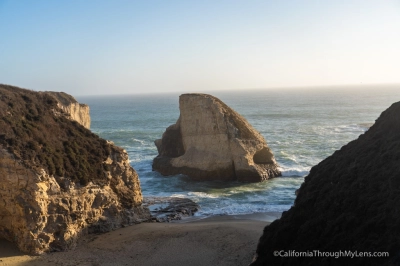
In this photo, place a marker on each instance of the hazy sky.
(106, 47)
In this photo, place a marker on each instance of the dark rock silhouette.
(349, 202)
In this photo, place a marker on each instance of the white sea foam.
(295, 171)
(179, 195)
(355, 129)
(138, 140)
(233, 209)
(202, 195)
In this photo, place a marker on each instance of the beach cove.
(218, 240)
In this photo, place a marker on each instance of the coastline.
(268, 217)
(215, 240)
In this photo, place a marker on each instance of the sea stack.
(349, 202)
(58, 180)
(210, 141)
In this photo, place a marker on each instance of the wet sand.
(219, 240)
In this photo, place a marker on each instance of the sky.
(127, 47)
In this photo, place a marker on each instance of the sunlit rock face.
(77, 111)
(210, 141)
(348, 202)
(58, 180)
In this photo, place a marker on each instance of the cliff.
(348, 202)
(58, 180)
(76, 111)
(210, 141)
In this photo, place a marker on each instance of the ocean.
(302, 126)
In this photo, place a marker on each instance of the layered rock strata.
(348, 202)
(210, 141)
(57, 179)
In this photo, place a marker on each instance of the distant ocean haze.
(301, 126)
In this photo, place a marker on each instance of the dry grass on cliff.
(34, 134)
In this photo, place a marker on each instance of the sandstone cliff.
(210, 141)
(58, 180)
(77, 111)
(349, 202)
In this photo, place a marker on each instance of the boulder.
(348, 202)
(166, 209)
(210, 141)
(58, 180)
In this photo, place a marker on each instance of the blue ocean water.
(301, 126)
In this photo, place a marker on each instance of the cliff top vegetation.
(38, 133)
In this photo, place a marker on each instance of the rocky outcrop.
(166, 209)
(76, 111)
(57, 179)
(210, 141)
(348, 202)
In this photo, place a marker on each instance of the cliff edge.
(210, 141)
(76, 111)
(348, 202)
(58, 180)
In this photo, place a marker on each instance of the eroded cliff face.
(348, 202)
(77, 111)
(210, 141)
(40, 212)
(57, 179)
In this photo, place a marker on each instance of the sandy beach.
(218, 240)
